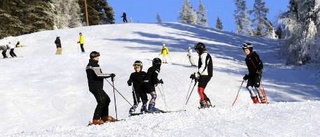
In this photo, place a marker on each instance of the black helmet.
(156, 62)
(94, 54)
(138, 63)
(247, 45)
(200, 46)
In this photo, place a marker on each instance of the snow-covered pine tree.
(99, 12)
(302, 26)
(219, 25)
(159, 19)
(243, 21)
(260, 20)
(202, 15)
(187, 14)
(67, 14)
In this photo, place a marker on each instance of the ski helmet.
(200, 47)
(138, 63)
(94, 54)
(247, 45)
(156, 62)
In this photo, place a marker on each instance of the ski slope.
(43, 94)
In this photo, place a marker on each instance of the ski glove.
(246, 77)
(112, 75)
(160, 81)
(129, 83)
(193, 76)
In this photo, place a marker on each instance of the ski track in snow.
(47, 95)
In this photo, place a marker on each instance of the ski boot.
(203, 104)
(255, 100)
(144, 108)
(109, 119)
(133, 108)
(151, 108)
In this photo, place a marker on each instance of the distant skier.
(81, 42)
(58, 45)
(136, 78)
(255, 68)
(204, 74)
(190, 56)
(18, 45)
(4, 49)
(12, 54)
(95, 82)
(151, 81)
(164, 53)
(124, 17)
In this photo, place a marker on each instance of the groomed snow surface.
(43, 94)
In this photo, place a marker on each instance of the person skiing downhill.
(151, 81)
(164, 53)
(255, 69)
(136, 79)
(190, 56)
(81, 42)
(204, 74)
(95, 82)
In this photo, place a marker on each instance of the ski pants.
(203, 81)
(254, 84)
(153, 97)
(82, 48)
(4, 54)
(12, 54)
(137, 95)
(103, 101)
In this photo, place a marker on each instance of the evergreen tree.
(219, 25)
(260, 18)
(159, 18)
(67, 14)
(202, 15)
(187, 13)
(243, 21)
(99, 12)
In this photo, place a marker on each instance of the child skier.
(204, 74)
(136, 78)
(95, 82)
(151, 81)
(12, 54)
(255, 68)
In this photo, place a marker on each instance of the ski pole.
(114, 96)
(191, 92)
(135, 95)
(237, 93)
(189, 88)
(163, 97)
(119, 92)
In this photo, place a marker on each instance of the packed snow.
(43, 94)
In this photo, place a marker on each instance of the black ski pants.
(103, 101)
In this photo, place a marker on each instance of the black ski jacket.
(95, 75)
(151, 79)
(58, 42)
(254, 64)
(137, 79)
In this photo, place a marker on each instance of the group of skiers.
(59, 46)
(144, 83)
(8, 46)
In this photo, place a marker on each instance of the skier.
(151, 81)
(204, 74)
(190, 56)
(255, 68)
(95, 82)
(18, 45)
(12, 54)
(81, 42)
(164, 53)
(124, 17)
(4, 49)
(58, 45)
(136, 78)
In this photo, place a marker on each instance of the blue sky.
(145, 11)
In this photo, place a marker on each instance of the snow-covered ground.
(43, 94)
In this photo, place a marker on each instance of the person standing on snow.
(4, 49)
(12, 54)
(136, 78)
(255, 68)
(190, 56)
(151, 81)
(204, 74)
(58, 45)
(164, 53)
(124, 17)
(95, 82)
(81, 42)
